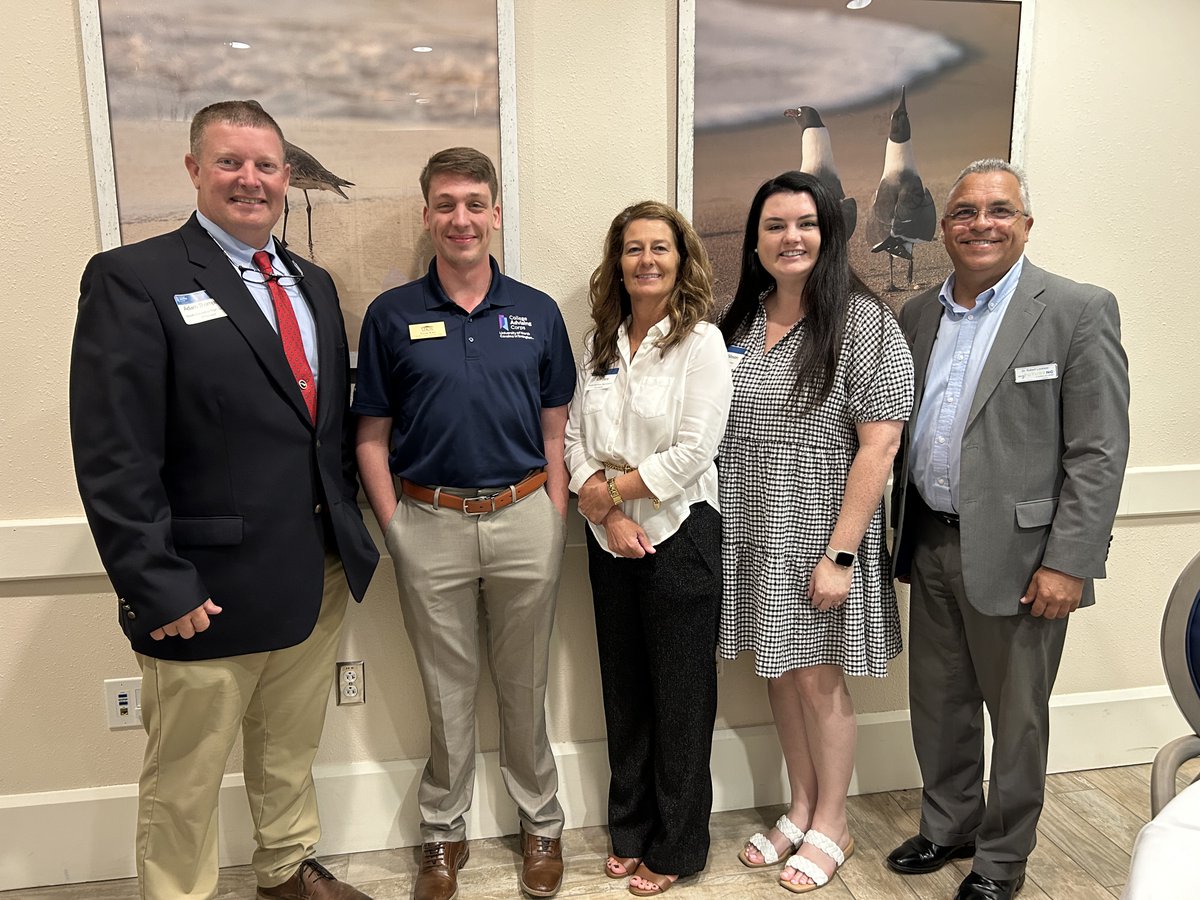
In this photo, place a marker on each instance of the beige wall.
(1112, 137)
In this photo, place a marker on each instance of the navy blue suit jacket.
(201, 472)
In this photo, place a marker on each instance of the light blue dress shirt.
(963, 341)
(242, 254)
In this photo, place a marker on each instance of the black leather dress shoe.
(920, 856)
(977, 887)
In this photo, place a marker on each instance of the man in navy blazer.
(1004, 497)
(217, 472)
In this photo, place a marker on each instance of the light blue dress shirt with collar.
(963, 341)
(242, 254)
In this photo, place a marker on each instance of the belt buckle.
(482, 498)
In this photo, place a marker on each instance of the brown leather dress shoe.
(311, 881)
(440, 862)
(542, 866)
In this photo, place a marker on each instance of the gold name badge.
(422, 330)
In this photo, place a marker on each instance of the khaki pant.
(192, 712)
(445, 561)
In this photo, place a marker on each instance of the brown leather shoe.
(542, 866)
(440, 862)
(312, 881)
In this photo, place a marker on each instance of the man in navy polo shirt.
(463, 382)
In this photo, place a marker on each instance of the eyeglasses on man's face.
(1000, 212)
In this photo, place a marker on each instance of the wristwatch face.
(843, 559)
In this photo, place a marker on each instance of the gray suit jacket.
(1042, 461)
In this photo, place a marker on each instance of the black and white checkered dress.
(782, 478)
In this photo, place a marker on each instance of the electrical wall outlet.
(351, 685)
(123, 703)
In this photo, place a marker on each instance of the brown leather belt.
(475, 506)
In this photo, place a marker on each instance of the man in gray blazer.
(1004, 501)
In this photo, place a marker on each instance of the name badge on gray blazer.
(1044, 372)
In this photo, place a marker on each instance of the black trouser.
(656, 629)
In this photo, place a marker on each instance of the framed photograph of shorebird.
(884, 100)
(364, 90)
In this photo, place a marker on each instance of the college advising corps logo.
(515, 327)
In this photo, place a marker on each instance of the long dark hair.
(826, 293)
(690, 301)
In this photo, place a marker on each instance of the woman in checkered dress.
(823, 382)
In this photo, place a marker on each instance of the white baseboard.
(87, 835)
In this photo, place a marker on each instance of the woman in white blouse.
(649, 410)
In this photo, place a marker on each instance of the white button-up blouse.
(661, 413)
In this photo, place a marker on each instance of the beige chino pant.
(445, 562)
(192, 712)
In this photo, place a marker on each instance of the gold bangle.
(613, 492)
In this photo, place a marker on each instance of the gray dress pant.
(960, 659)
(445, 562)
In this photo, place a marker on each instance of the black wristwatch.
(843, 559)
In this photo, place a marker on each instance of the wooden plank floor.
(1084, 840)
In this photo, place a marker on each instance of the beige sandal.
(628, 863)
(662, 883)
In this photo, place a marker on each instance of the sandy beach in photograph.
(371, 88)
(957, 116)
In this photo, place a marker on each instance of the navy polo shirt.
(465, 391)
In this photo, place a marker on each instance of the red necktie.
(289, 333)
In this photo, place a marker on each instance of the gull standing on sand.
(902, 211)
(816, 158)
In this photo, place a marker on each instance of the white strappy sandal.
(770, 856)
(811, 869)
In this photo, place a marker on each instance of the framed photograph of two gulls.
(884, 100)
(364, 90)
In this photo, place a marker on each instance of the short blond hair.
(231, 112)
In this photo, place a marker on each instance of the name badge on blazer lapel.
(198, 307)
(1044, 372)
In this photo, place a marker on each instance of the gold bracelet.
(613, 492)
(624, 469)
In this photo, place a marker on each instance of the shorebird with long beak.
(307, 175)
(902, 211)
(816, 158)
